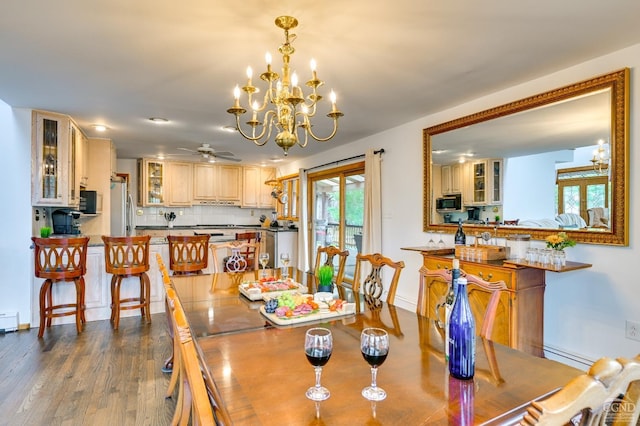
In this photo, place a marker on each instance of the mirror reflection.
(555, 161)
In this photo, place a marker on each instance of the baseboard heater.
(8, 322)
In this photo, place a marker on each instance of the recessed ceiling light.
(158, 120)
(160, 156)
(99, 127)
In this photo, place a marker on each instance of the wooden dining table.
(262, 372)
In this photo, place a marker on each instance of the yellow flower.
(559, 241)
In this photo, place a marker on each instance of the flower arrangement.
(559, 241)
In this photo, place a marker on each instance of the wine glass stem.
(318, 374)
(374, 373)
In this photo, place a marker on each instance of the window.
(337, 210)
(581, 189)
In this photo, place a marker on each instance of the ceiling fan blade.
(224, 153)
(222, 157)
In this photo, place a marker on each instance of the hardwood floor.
(100, 377)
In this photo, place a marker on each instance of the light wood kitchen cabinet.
(180, 183)
(519, 319)
(451, 179)
(55, 164)
(151, 182)
(217, 184)
(254, 191)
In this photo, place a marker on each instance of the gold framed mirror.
(507, 166)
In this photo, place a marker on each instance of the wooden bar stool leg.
(43, 308)
(49, 308)
(114, 278)
(78, 305)
(115, 309)
(82, 303)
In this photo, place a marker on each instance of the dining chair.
(609, 393)
(249, 253)
(326, 256)
(242, 257)
(188, 254)
(474, 284)
(372, 285)
(199, 401)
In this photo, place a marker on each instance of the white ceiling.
(119, 62)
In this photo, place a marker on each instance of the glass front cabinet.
(151, 182)
(56, 148)
(486, 182)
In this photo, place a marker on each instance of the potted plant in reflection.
(325, 278)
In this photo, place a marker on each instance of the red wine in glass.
(373, 356)
(318, 357)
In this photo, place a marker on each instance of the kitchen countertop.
(201, 227)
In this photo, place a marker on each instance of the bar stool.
(128, 257)
(60, 260)
(188, 254)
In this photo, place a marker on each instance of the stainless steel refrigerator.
(121, 210)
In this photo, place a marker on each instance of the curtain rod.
(379, 151)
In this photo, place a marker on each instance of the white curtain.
(372, 228)
(304, 223)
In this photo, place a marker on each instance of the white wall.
(15, 255)
(585, 311)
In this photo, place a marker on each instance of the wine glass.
(284, 258)
(431, 243)
(318, 344)
(440, 242)
(264, 259)
(374, 345)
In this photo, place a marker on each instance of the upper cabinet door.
(51, 162)
(151, 183)
(180, 178)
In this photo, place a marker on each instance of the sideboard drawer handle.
(481, 275)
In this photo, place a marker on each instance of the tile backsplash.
(199, 215)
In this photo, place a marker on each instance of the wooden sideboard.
(520, 317)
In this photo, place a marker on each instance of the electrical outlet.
(180, 212)
(160, 213)
(632, 330)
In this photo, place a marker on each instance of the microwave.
(449, 203)
(89, 202)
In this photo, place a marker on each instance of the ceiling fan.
(210, 154)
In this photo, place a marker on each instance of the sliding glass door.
(336, 207)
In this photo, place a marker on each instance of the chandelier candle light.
(284, 105)
(600, 158)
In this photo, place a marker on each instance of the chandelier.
(284, 105)
(600, 159)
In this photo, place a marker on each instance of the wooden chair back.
(249, 253)
(188, 254)
(474, 283)
(126, 256)
(200, 401)
(326, 256)
(372, 285)
(609, 393)
(235, 259)
(60, 259)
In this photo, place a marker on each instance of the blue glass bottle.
(462, 335)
